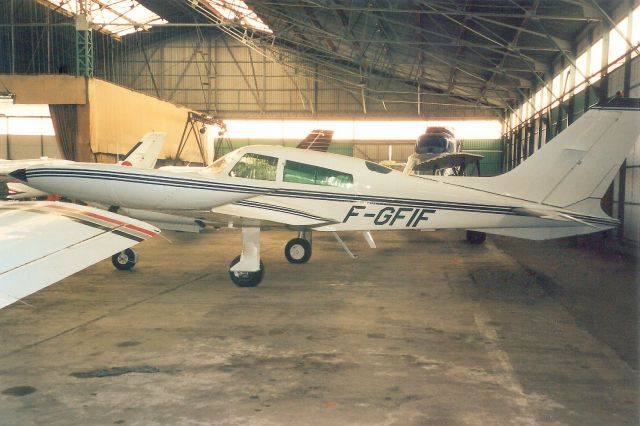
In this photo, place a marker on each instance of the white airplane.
(43, 242)
(555, 193)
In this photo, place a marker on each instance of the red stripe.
(104, 218)
(109, 220)
(93, 215)
(137, 228)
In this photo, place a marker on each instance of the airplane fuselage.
(369, 197)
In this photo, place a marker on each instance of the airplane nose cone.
(20, 174)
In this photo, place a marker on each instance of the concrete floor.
(423, 330)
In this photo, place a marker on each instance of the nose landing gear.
(298, 250)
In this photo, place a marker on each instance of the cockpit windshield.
(219, 165)
(255, 166)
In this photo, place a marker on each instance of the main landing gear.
(475, 237)
(245, 279)
(247, 270)
(125, 260)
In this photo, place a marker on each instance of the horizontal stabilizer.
(539, 234)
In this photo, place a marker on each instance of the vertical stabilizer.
(578, 165)
(145, 153)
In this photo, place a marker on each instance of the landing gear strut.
(298, 250)
(125, 260)
(475, 237)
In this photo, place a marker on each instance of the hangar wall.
(108, 118)
(213, 73)
(18, 147)
(27, 132)
(120, 117)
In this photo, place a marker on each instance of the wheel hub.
(297, 251)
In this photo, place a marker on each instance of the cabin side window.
(295, 172)
(255, 166)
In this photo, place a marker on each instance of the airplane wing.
(44, 242)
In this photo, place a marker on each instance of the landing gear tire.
(246, 279)
(125, 260)
(475, 237)
(298, 250)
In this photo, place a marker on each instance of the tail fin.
(575, 169)
(144, 154)
(317, 140)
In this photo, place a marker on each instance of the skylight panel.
(238, 11)
(114, 17)
(617, 44)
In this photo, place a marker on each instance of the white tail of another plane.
(574, 170)
(144, 154)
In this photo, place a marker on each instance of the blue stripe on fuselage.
(287, 193)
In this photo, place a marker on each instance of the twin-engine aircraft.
(556, 193)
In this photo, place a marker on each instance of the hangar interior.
(541, 334)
